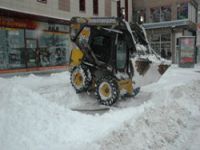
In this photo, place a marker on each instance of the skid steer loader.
(100, 59)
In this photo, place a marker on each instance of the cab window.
(121, 54)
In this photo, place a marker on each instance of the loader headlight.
(141, 19)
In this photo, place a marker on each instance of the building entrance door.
(32, 53)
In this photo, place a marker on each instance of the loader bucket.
(147, 71)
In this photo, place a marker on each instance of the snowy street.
(40, 113)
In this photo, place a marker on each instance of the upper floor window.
(82, 5)
(155, 14)
(64, 5)
(108, 8)
(161, 14)
(95, 7)
(165, 13)
(187, 11)
(118, 8)
(182, 11)
(42, 1)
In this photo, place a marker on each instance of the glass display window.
(16, 48)
(12, 48)
(31, 48)
(3, 49)
(32, 34)
(54, 48)
(24, 48)
(161, 44)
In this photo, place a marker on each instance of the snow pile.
(164, 125)
(141, 48)
(35, 114)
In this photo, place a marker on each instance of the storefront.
(198, 43)
(164, 36)
(29, 41)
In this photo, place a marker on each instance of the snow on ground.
(35, 114)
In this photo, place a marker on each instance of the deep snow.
(35, 114)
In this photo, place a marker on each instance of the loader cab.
(101, 43)
(110, 47)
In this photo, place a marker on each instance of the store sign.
(17, 23)
(187, 48)
(102, 21)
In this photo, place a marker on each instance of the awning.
(170, 24)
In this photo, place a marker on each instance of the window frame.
(64, 5)
(161, 12)
(42, 1)
(160, 42)
(160, 8)
(82, 6)
(178, 13)
(95, 7)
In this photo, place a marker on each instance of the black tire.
(81, 78)
(107, 90)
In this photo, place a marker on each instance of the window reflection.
(121, 54)
(161, 43)
(165, 13)
(182, 11)
(12, 48)
(53, 48)
(160, 14)
(21, 48)
(155, 14)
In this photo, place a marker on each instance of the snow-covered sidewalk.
(35, 114)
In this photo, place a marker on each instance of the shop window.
(64, 5)
(54, 48)
(12, 51)
(42, 1)
(95, 7)
(182, 11)
(82, 5)
(161, 43)
(32, 34)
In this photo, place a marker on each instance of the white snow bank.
(168, 123)
(35, 114)
(165, 125)
(29, 121)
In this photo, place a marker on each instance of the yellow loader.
(102, 57)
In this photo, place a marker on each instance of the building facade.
(166, 21)
(198, 34)
(35, 33)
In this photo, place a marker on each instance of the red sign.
(17, 23)
(187, 45)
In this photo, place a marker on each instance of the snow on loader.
(100, 59)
